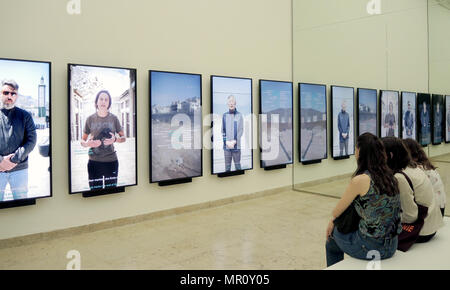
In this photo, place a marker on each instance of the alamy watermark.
(375, 263)
(75, 260)
(74, 7)
(374, 7)
(186, 133)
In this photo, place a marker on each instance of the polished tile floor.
(281, 231)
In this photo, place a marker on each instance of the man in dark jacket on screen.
(343, 128)
(17, 140)
(232, 131)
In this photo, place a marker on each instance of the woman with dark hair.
(373, 191)
(421, 159)
(101, 131)
(421, 191)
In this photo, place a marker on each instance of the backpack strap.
(407, 179)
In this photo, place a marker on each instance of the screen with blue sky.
(176, 125)
(33, 79)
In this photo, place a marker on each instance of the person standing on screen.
(343, 128)
(17, 140)
(101, 131)
(438, 123)
(425, 123)
(389, 121)
(409, 122)
(232, 131)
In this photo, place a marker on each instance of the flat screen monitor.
(102, 128)
(438, 113)
(408, 113)
(313, 122)
(176, 126)
(25, 130)
(343, 132)
(424, 119)
(389, 106)
(367, 111)
(231, 108)
(276, 128)
(447, 119)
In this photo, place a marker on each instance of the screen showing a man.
(343, 122)
(232, 124)
(24, 130)
(438, 118)
(409, 115)
(389, 113)
(424, 117)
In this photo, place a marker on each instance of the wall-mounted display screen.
(25, 139)
(275, 123)
(367, 111)
(176, 125)
(424, 118)
(313, 122)
(102, 128)
(447, 120)
(231, 107)
(389, 106)
(408, 114)
(343, 138)
(438, 113)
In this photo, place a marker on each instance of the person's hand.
(330, 228)
(110, 141)
(344, 135)
(230, 144)
(7, 164)
(93, 143)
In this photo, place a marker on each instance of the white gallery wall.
(250, 38)
(352, 45)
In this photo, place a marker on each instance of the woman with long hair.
(101, 131)
(419, 192)
(420, 158)
(373, 191)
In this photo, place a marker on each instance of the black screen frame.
(184, 179)
(402, 113)
(92, 193)
(292, 116)
(446, 103)
(235, 172)
(312, 161)
(32, 200)
(358, 133)
(332, 122)
(381, 112)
